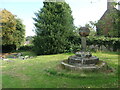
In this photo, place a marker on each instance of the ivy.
(106, 41)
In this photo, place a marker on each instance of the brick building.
(106, 24)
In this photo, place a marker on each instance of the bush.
(95, 41)
(26, 48)
(61, 45)
(50, 45)
(74, 48)
(8, 48)
(106, 41)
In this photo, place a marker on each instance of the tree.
(8, 25)
(91, 26)
(53, 27)
(20, 32)
(12, 29)
(29, 39)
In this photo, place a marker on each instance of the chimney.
(110, 4)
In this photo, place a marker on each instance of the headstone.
(103, 48)
(91, 47)
(96, 47)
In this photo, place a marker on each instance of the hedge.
(106, 41)
(99, 41)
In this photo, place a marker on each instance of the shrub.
(26, 48)
(95, 41)
(106, 41)
(50, 45)
(8, 48)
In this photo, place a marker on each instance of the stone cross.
(84, 31)
(83, 43)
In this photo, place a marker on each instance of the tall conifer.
(53, 27)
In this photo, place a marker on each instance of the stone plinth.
(80, 60)
(83, 61)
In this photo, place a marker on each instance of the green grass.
(45, 72)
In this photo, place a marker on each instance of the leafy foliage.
(54, 25)
(13, 31)
(95, 40)
(20, 32)
(8, 25)
(26, 48)
(109, 25)
(106, 41)
(29, 38)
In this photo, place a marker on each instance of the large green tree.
(20, 32)
(13, 31)
(53, 27)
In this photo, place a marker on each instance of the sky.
(83, 11)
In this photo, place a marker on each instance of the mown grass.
(45, 72)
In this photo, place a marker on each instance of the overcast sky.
(83, 11)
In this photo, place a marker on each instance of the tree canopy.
(53, 26)
(13, 31)
(8, 25)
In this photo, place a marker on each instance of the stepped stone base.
(83, 61)
(80, 60)
(98, 66)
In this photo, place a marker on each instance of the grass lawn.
(45, 72)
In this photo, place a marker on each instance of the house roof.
(108, 11)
